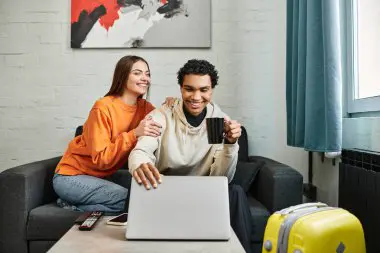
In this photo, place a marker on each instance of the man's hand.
(147, 175)
(232, 129)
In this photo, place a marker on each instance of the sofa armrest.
(23, 188)
(277, 185)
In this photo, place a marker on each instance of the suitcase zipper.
(292, 209)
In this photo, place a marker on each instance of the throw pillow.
(245, 173)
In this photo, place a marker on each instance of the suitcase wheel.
(268, 245)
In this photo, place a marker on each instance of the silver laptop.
(181, 208)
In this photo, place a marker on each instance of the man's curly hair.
(198, 67)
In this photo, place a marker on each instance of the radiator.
(359, 192)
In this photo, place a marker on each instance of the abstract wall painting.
(140, 23)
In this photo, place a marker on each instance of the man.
(183, 149)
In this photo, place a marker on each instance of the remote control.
(82, 218)
(89, 223)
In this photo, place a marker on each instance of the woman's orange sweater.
(107, 139)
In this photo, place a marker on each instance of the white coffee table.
(111, 239)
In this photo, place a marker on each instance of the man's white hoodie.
(183, 149)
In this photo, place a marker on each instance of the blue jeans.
(90, 193)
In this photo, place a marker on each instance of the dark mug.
(215, 130)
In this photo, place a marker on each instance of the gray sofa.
(30, 220)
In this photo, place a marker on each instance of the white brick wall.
(47, 89)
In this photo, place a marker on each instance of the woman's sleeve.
(148, 108)
(106, 153)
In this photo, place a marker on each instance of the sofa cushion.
(40, 246)
(260, 216)
(49, 222)
(245, 173)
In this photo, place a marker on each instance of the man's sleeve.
(225, 160)
(144, 151)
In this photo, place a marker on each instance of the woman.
(109, 134)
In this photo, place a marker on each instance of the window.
(363, 55)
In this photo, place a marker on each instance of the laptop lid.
(181, 208)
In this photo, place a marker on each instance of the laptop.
(181, 208)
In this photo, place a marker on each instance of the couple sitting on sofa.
(170, 140)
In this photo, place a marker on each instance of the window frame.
(370, 104)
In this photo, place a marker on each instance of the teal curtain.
(313, 75)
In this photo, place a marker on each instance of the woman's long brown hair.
(122, 71)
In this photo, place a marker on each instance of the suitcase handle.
(292, 209)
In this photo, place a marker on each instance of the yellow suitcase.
(313, 228)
